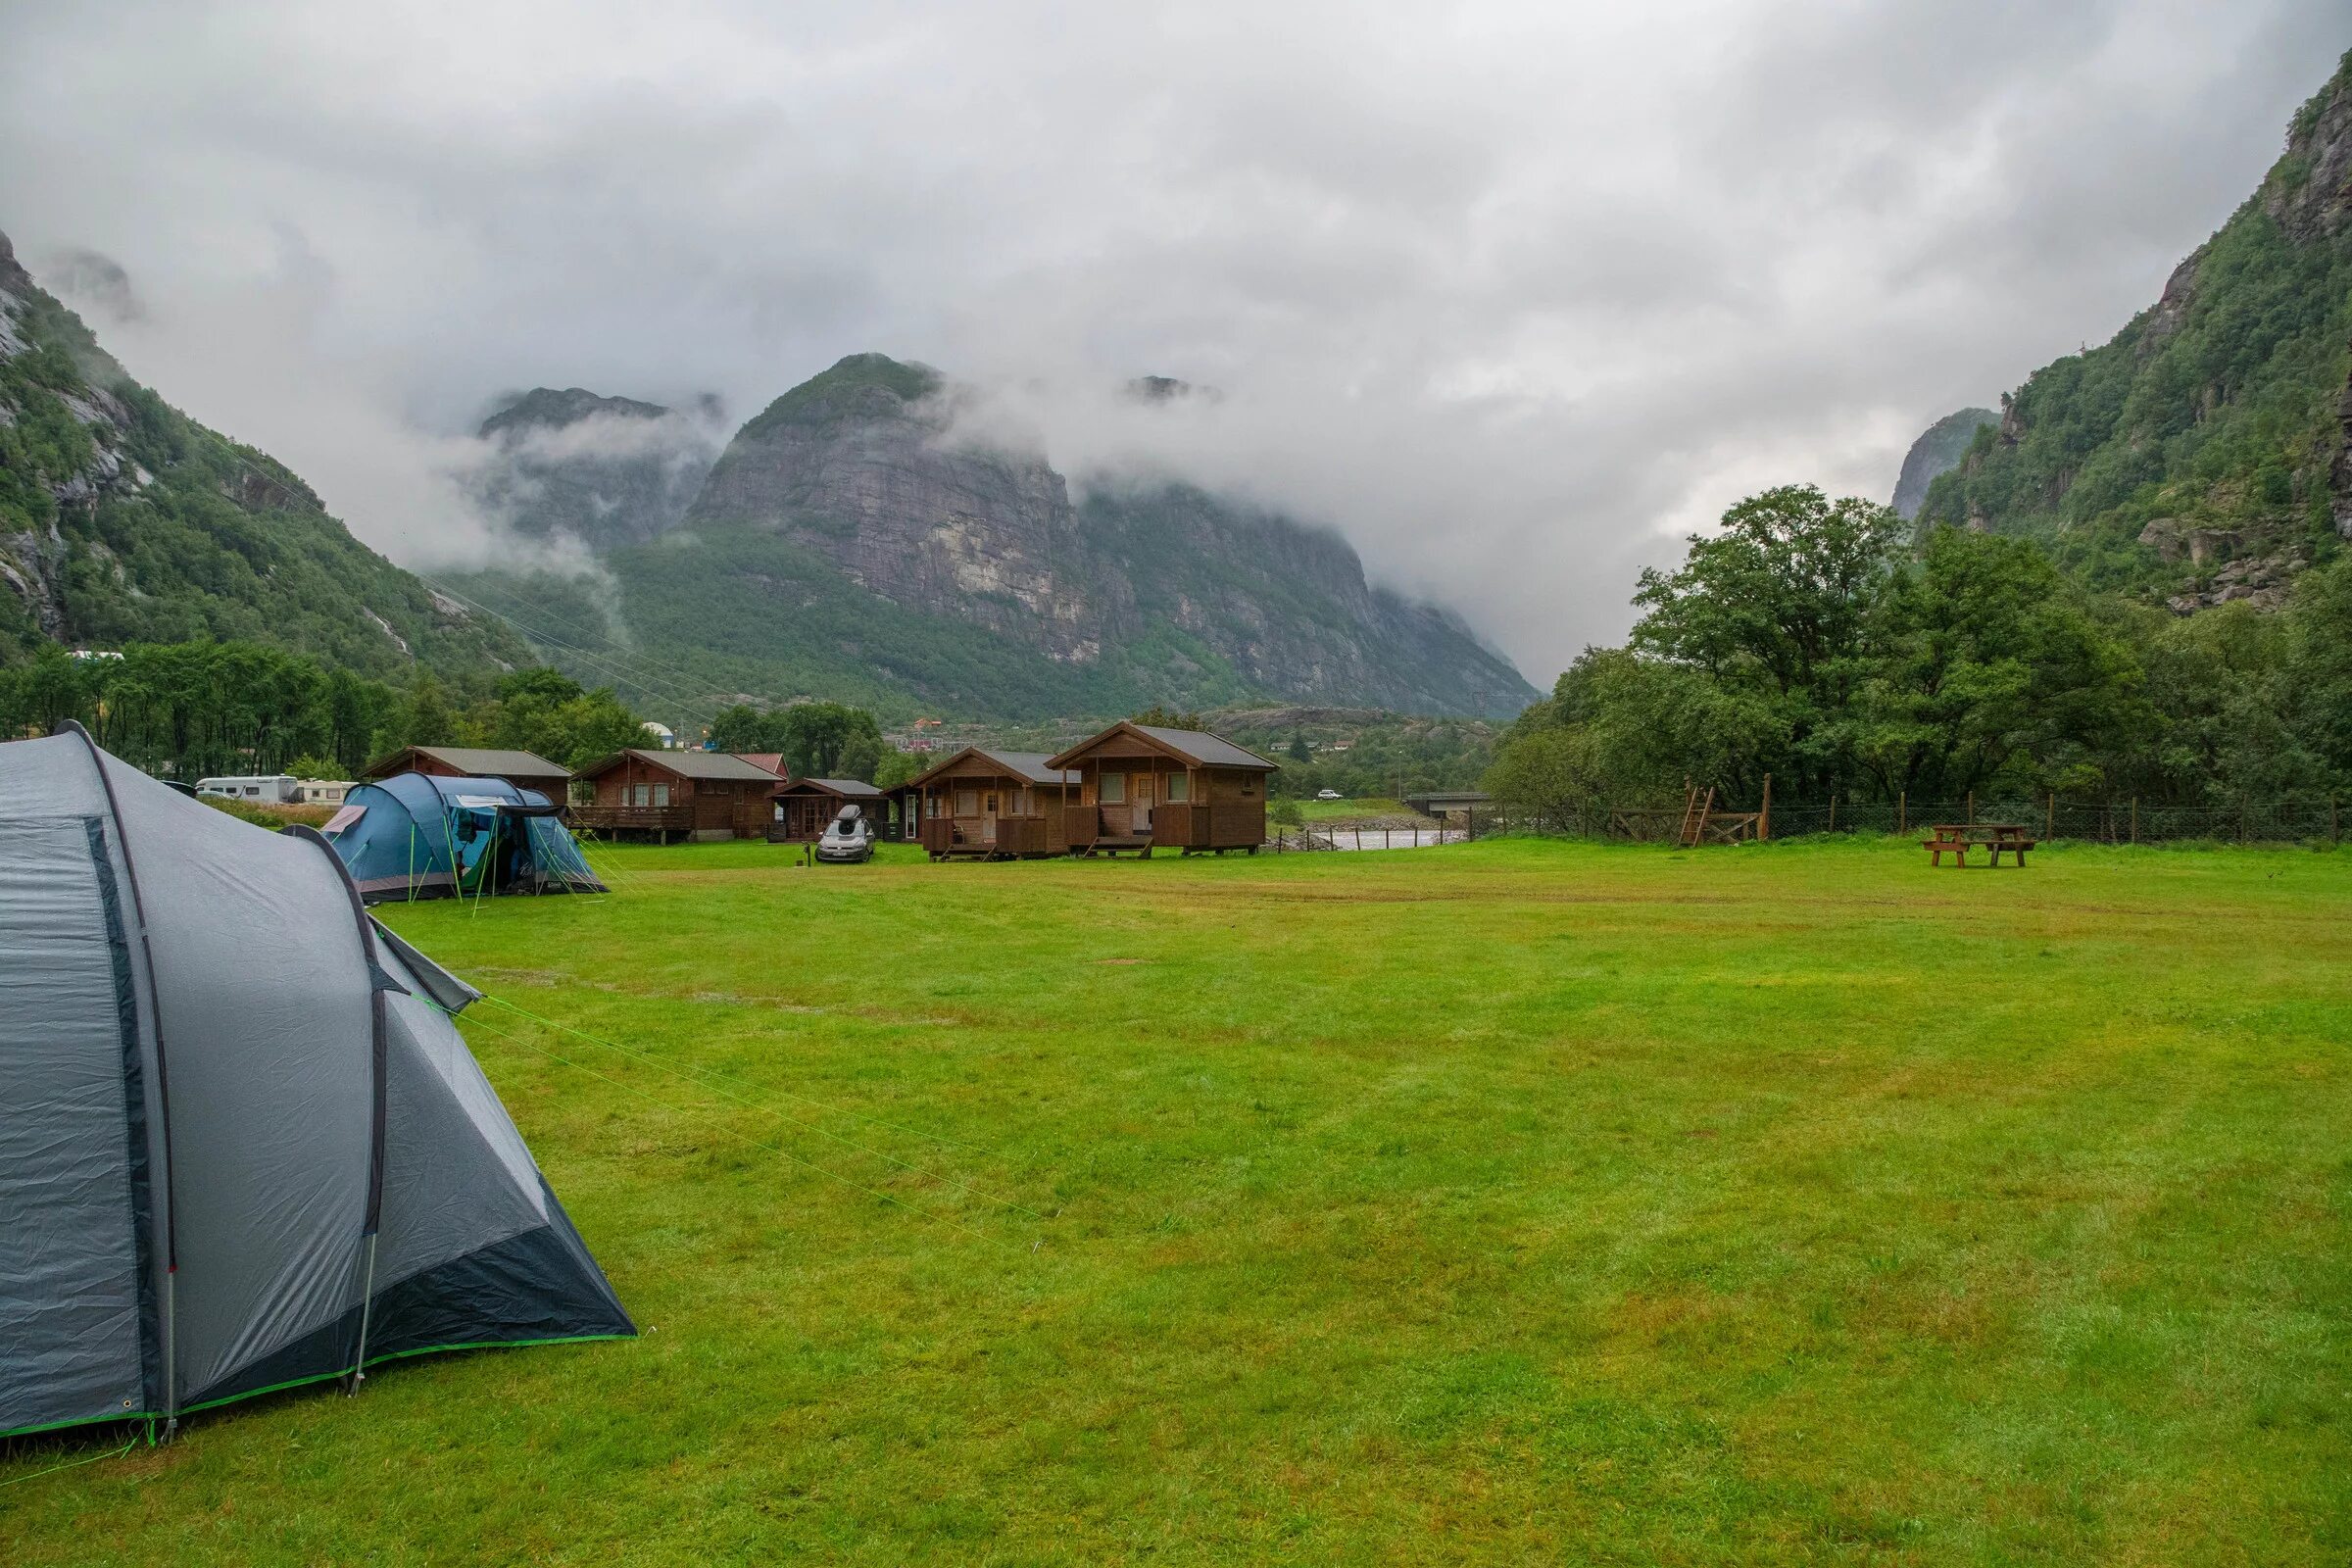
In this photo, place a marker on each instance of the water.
(1380, 838)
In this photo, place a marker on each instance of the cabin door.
(987, 816)
(1139, 790)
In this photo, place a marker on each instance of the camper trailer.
(272, 789)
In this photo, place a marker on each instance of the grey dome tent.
(242, 1145)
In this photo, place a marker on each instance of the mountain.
(853, 541)
(123, 520)
(2200, 456)
(608, 470)
(1936, 451)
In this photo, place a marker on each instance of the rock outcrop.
(1938, 451)
(859, 463)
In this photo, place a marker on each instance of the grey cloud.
(1512, 296)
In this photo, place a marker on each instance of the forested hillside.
(124, 520)
(2199, 457)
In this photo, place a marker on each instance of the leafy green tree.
(829, 740)
(1773, 610)
(1985, 670)
(2319, 665)
(1159, 717)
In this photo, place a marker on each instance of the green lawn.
(1518, 1201)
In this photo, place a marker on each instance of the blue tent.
(415, 836)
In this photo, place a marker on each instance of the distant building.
(663, 736)
(324, 791)
(700, 794)
(526, 770)
(1142, 787)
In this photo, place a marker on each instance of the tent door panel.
(70, 1338)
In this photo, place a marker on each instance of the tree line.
(1818, 642)
(190, 711)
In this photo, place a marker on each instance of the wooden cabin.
(521, 769)
(1143, 788)
(801, 807)
(695, 795)
(987, 805)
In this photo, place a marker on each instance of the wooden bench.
(1956, 839)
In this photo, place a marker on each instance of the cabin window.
(1020, 800)
(1114, 789)
(1249, 787)
(643, 795)
(1180, 787)
(968, 803)
(990, 805)
(660, 794)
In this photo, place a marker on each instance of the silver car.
(847, 839)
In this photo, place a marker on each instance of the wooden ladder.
(1695, 816)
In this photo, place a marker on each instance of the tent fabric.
(243, 1145)
(422, 836)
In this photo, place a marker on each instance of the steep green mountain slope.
(851, 542)
(124, 520)
(2200, 454)
(1937, 452)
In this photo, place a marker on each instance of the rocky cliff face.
(1153, 592)
(2203, 456)
(606, 470)
(122, 519)
(857, 466)
(1938, 451)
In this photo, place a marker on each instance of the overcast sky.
(1513, 296)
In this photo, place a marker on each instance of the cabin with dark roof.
(803, 805)
(987, 805)
(695, 795)
(1141, 788)
(522, 769)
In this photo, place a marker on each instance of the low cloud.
(1513, 296)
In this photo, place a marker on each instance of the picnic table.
(1956, 839)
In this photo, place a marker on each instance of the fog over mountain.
(1513, 297)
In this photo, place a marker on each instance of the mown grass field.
(1511, 1203)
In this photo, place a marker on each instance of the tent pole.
(377, 1048)
(359, 1359)
(168, 1328)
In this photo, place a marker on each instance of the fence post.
(2135, 819)
(2241, 819)
(2050, 818)
(2332, 836)
(1972, 808)
(1902, 812)
(1832, 814)
(1764, 817)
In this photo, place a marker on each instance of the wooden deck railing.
(1041, 834)
(632, 818)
